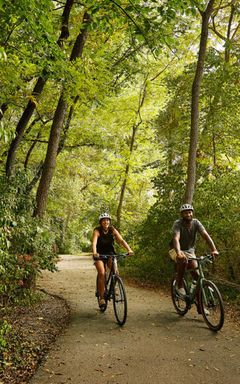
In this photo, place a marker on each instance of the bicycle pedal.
(103, 307)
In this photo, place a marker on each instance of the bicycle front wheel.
(211, 305)
(119, 301)
(179, 302)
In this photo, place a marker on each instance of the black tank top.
(105, 242)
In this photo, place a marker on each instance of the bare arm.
(96, 235)
(210, 242)
(121, 241)
(176, 245)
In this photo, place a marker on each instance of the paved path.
(155, 346)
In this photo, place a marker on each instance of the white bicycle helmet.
(104, 215)
(186, 207)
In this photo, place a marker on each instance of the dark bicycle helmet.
(186, 207)
(104, 215)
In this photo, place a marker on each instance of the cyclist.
(103, 244)
(185, 232)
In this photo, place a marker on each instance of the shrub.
(26, 243)
(5, 329)
(216, 206)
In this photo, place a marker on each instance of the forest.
(130, 107)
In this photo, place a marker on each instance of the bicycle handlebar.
(115, 256)
(208, 257)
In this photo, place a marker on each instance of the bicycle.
(210, 300)
(114, 288)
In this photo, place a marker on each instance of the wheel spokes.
(212, 306)
(120, 301)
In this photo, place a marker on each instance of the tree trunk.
(191, 172)
(65, 20)
(50, 160)
(58, 121)
(28, 112)
(67, 125)
(228, 40)
(24, 120)
(35, 179)
(134, 131)
(60, 148)
(122, 193)
(3, 109)
(228, 45)
(32, 146)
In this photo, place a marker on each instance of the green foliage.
(154, 234)
(5, 330)
(26, 243)
(216, 206)
(128, 44)
(17, 349)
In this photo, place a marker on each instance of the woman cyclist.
(103, 244)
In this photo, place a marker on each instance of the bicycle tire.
(211, 305)
(119, 301)
(179, 302)
(103, 308)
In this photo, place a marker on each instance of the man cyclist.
(103, 244)
(185, 232)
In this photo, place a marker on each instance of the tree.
(34, 98)
(58, 120)
(131, 148)
(192, 154)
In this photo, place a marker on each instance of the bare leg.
(101, 278)
(181, 266)
(195, 274)
(192, 264)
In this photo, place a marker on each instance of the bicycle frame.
(201, 278)
(205, 295)
(109, 278)
(113, 269)
(114, 288)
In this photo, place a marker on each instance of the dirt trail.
(155, 345)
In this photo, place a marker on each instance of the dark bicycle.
(114, 288)
(210, 300)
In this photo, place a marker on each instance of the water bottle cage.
(192, 287)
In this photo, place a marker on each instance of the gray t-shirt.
(187, 235)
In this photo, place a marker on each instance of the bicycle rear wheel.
(179, 302)
(119, 301)
(103, 308)
(211, 305)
